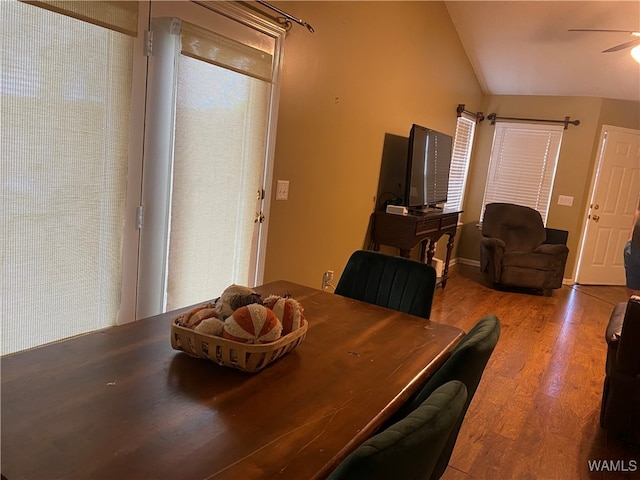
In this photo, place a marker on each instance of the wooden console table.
(406, 231)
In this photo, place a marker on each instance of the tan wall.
(576, 162)
(370, 69)
(374, 68)
(620, 113)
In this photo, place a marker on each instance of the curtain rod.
(479, 116)
(493, 117)
(286, 15)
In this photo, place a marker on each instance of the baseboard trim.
(476, 263)
(466, 261)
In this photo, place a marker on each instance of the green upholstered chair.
(410, 448)
(393, 282)
(466, 364)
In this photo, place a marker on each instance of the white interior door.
(614, 201)
(210, 132)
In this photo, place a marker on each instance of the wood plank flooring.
(536, 412)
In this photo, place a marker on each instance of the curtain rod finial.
(286, 15)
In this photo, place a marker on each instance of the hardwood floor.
(535, 414)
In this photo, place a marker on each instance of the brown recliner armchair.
(620, 410)
(517, 250)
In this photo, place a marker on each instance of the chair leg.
(603, 406)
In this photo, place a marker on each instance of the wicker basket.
(243, 356)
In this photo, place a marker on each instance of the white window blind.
(522, 165)
(64, 132)
(460, 157)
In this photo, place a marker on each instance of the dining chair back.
(466, 364)
(410, 448)
(397, 283)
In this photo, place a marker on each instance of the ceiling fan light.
(635, 53)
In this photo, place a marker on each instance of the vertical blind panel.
(222, 51)
(65, 94)
(221, 128)
(118, 15)
(460, 158)
(522, 165)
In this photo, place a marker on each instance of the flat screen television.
(427, 173)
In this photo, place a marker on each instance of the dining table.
(121, 403)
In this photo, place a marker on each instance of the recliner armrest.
(552, 249)
(614, 327)
(628, 355)
(492, 243)
(555, 236)
(491, 253)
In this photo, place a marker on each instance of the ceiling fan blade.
(600, 30)
(622, 46)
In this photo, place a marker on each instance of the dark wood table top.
(120, 403)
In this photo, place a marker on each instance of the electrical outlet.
(282, 190)
(326, 279)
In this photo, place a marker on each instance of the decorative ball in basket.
(240, 330)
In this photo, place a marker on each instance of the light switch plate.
(565, 200)
(282, 190)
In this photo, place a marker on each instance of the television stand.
(424, 210)
(407, 231)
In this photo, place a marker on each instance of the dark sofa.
(620, 410)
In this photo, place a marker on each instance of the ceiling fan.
(622, 46)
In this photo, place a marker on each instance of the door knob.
(595, 218)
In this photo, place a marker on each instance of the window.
(460, 157)
(78, 215)
(522, 165)
(65, 91)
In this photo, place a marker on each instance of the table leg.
(431, 251)
(445, 269)
(423, 251)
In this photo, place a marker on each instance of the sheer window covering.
(120, 16)
(522, 165)
(65, 93)
(204, 99)
(219, 50)
(221, 127)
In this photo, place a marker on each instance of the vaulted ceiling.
(526, 48)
